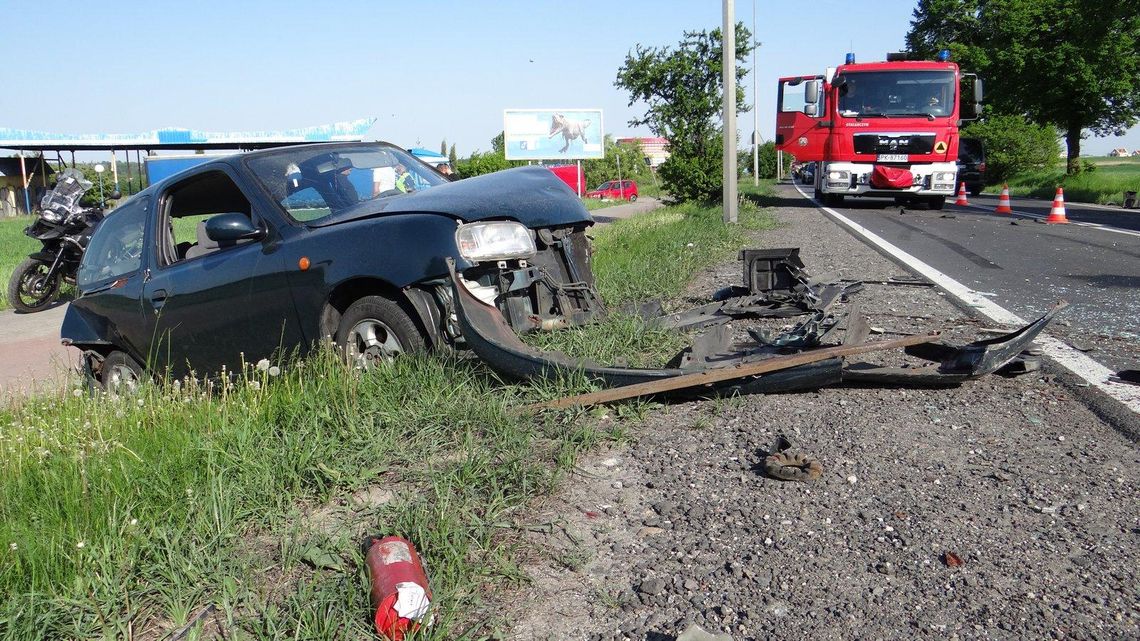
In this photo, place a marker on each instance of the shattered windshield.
(895, 93)
(311, 183)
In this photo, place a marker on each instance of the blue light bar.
(943, 55)
(850, 58)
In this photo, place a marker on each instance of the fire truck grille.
(894, 143)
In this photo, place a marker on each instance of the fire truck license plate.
(893, 158)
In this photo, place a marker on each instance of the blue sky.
(426, 70)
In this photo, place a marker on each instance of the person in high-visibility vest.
(403, 179)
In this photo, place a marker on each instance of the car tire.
(633, 198)
(936, 203)
(120, 374)
(375, 329)
(27, 274)
(974, 190)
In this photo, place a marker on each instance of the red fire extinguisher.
(400, 592)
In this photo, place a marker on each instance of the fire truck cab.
(886, 129)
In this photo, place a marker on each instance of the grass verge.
(14, 248)
(1106, 184)
(130, 517)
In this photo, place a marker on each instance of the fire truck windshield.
(895, 93)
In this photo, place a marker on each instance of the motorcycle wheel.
(29, 289)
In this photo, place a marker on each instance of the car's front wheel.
(120, 374)
(375, 329)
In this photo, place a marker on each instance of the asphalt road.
(1026, 266)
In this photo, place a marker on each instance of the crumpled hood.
(534, 196)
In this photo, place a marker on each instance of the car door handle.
(158, 299)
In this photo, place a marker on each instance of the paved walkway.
(31, 355)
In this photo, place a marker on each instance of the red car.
(615, 190)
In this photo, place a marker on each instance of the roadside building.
(655, 149)
(12, 198)
(1119, 152)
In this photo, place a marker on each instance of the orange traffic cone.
(1057, 213)
(1003, 202)
(962, 196)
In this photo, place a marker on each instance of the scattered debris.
(777, 286)
(184, 630)
(792, 467)
(400, 592)
(1131, 376)
(952, 560)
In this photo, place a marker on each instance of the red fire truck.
(886, 129)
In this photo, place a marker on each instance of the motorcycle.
(64, 228)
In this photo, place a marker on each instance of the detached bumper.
(488, 334)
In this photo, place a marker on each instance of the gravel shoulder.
(1016, 478)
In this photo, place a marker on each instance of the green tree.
(682, 89)
(443, 147)
(767, 160)
(1015, 146)
(451, 156)
(1072, 64)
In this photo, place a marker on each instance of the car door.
(110, 279)
(800, 128)
(215, 305)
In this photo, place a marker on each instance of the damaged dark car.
(272, 252)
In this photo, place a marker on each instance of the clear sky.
(427, 70)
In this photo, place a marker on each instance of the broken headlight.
(497, 240)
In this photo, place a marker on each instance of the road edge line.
(1088, 370)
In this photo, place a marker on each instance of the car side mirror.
(232, 227)
(115, 195)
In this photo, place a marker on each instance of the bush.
(483, 163)
(693, 174)
(1014, 146)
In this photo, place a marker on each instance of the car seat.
(205, 245)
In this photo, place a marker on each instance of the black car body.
(286, 242)
(972, 164)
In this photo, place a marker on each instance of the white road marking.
(1087, 369)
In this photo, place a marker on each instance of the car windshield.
(895, 93)
(311, 183)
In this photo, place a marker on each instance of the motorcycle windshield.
(69, 188)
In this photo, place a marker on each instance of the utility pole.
(755, 107)
(728, 63)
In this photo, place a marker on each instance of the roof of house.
(10, 167)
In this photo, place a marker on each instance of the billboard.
(553, 134)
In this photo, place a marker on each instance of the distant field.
(1106, 184)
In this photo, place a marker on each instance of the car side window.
(185, 208)
(116, 247)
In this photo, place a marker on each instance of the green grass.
(14, 248)
(1106, 184)
(125, 517)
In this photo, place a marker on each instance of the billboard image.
(553, 134)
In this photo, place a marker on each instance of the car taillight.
(981, 166)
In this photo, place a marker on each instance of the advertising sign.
(553, 134)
